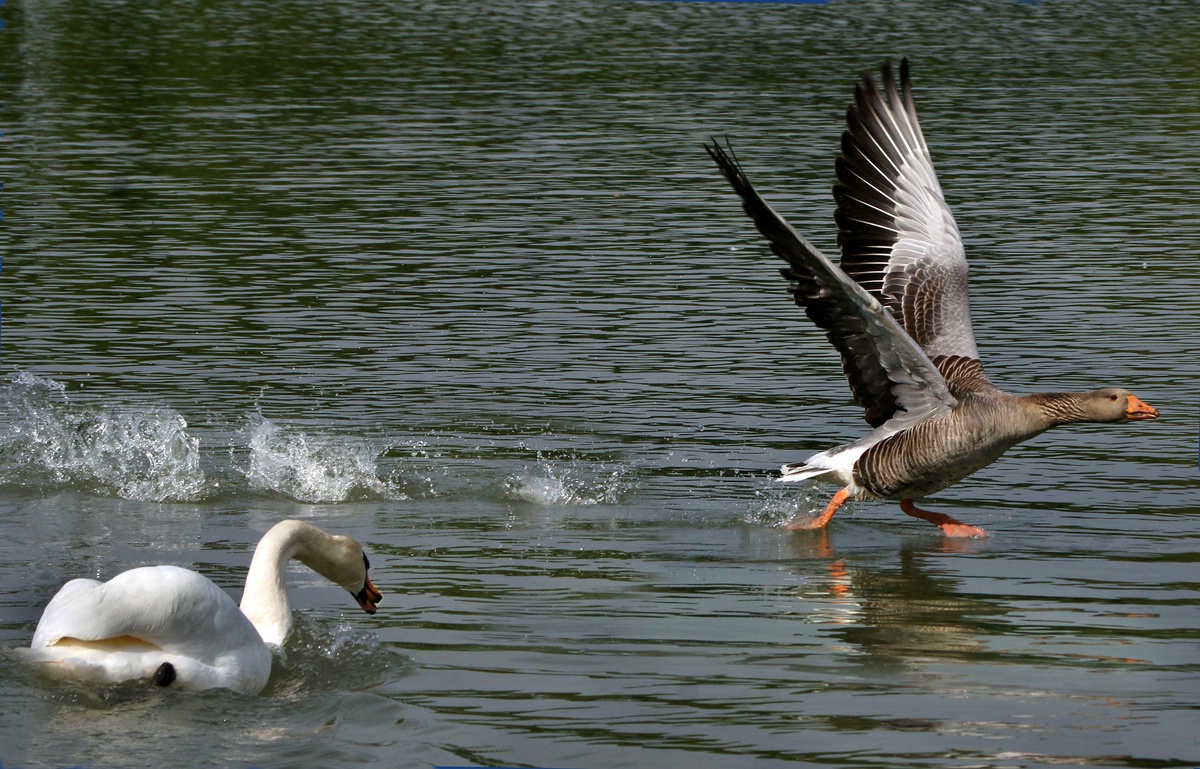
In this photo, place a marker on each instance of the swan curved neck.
(264, 599)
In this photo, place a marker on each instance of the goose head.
(1112, 404)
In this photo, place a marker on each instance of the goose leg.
(951, 527)
(822, 519)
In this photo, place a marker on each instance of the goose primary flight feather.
(175, 627)
(896, 310)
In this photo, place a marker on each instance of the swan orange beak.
(1139, 409)
(368, 596)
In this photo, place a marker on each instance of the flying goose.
(896, 309)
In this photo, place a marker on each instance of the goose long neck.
(264, 599)
(1060, 408)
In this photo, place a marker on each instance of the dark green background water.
(458, 279)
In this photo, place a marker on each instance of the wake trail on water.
(51, 440)
(142, 453)
(570, 482)
(311, 467)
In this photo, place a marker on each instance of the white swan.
(174, 626)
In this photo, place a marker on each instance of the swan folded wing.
(155, 604)
(890, 375)
(897, 236)
(126, 627)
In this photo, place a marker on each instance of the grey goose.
(896, 309)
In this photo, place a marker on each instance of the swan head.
(341, 560)
(369, 595)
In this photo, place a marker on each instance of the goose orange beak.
(1139, 409)
(368, 597)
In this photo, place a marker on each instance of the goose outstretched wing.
(888, 371)
(897, 236)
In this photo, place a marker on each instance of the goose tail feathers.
(800, 471)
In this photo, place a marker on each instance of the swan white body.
(144, 619)
(128, 627)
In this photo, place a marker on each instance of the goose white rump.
(175, 627)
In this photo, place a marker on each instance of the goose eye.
(1112, 397)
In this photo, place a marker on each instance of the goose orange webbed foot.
(821, 520)
(963, 530)
(951, 527)
(809, 524)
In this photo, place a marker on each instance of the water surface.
(459, 281)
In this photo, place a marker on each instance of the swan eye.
(366, 562)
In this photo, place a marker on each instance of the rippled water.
(458, 280)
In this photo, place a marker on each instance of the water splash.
(311, 468)
(140, 453)
(320, 657)
(776, 504)
(573, 482)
